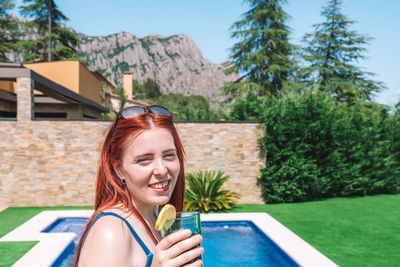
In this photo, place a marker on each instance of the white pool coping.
(296, 248)
(51, 245)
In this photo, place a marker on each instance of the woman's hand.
(177, 249)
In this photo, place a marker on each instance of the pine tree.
(332, 53)
(8, 27)
(263, 52)
(56, 42)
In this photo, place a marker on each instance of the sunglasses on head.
(134, 111)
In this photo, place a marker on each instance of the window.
(50, 115)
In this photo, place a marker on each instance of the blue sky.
(207, 22)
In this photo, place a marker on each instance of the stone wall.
(229, 147)
(53, 163)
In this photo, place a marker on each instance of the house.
(60, 89)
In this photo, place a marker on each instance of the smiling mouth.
(160, 187)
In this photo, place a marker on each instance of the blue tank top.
(135, 235)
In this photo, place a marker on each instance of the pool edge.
(50, 244)
(295, 247)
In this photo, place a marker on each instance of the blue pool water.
(228, 243)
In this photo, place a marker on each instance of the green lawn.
(362, 231)
(10, 219)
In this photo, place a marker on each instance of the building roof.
(12, 71)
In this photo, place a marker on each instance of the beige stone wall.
(229, 147)
(52, 163)
(25, 103)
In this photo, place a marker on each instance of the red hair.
(109, 189)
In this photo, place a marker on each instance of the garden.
(331, 154)
(356, 231)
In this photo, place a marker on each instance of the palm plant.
(204, 192)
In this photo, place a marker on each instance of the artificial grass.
(10, 219)
(362, 231)
(10, 252)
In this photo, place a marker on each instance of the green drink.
(185, 220)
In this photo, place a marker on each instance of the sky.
(208, 23)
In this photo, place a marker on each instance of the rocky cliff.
(175, 62)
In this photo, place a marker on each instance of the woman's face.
(150, 166)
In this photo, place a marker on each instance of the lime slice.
(166, 217)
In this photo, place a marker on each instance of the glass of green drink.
(185, 220)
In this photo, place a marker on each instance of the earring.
(121, 177)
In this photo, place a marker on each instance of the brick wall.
(53, 163)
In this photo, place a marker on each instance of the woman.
(141, 168)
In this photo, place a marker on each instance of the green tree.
(150, 89)
(332, 52)
(316, 148)
(249, 108)
(193, 107)
(263, 51)
(119, 91)
(8, 26)
(366, 141)
(55, 42)
(299, 148)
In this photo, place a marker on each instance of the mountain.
(175, 62)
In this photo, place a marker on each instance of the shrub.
(317, 149)
(204, 192)
(298, 146)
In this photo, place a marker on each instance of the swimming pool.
(226, 243)
(67, 225)
(240, 243)
(52, 245)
